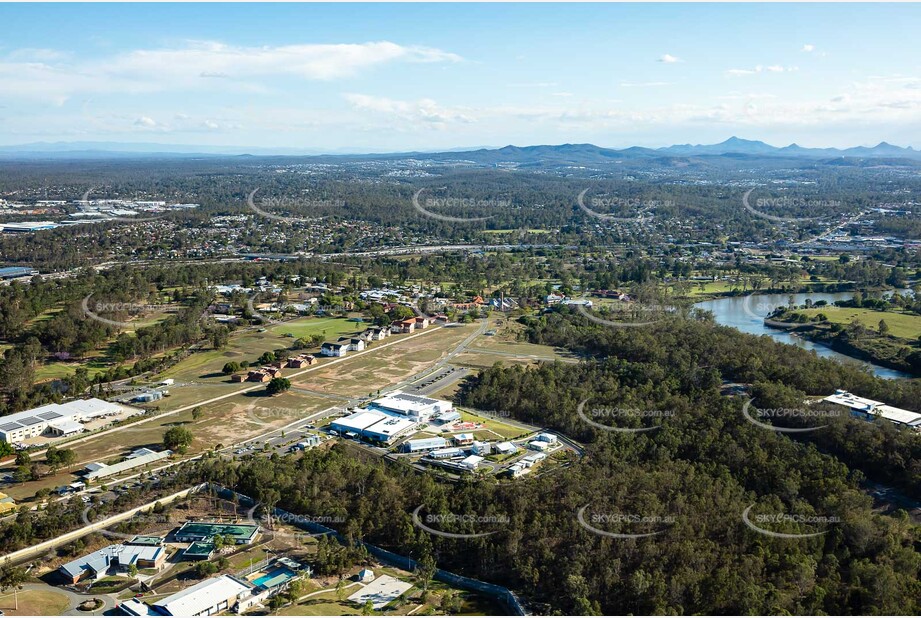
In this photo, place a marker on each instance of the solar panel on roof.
(9, 426)
(30, 420)
(48, 416)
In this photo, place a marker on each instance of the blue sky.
(382, 77)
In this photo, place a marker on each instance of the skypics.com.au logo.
(455, 203)
(433, 522)
(601, 417)
(758, 521)
(763, 307)
(642, 207)
(630, 314)
(270, 206)
(750, 412)
(785, 204)
(596, 521)
(119, 313)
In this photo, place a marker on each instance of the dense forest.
(699, 472)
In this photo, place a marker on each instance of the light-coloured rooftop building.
(870, 409)
(374, 425)
(416, 407)
(357, 421)
(138, 458)
(55, 417)
(209, 597)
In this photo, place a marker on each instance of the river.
(747, 314)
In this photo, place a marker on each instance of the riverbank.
(748, 312)
(866, 345)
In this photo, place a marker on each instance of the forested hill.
(688, 483)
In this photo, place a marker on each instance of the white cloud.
(808, 48)
(534, 85)
(37, 54)
(774, 68)
(423, 110)
(146, 122)
(46, 75)
(644, 84)
(669, 59)
(881, 102)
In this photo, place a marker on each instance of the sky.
(400, 77)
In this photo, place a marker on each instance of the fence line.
(68, 537)
(501, 593)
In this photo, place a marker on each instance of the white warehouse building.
(373, 425)
(416, 407)
(56, 419)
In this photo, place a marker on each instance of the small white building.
(518, 469)
(549, 438)
(481, 448)
(365, 576)
(446, 453)
(463, 439)
(424, 444)
(537, 445)
(505, 448)
(212, 596)
(471, 463)
(356, 345)
(334, 349)
(533, 459)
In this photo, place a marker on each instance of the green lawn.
(332, 328)
(903, 325)
(503, 429)
(34, 603)
(111, 584)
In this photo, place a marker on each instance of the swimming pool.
(275, 577)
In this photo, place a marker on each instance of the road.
(236, 393)
(109, 600)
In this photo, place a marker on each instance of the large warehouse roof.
(360, 420)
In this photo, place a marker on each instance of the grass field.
(704, 288)
(224, 422)
(245, 415)
(35, 603)
(380, 369)
(903, 325)
(55, 371)
(495, 426)
(332, 328)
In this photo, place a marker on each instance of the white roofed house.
(356, 344)
(334, 348)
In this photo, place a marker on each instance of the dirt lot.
(377, 370)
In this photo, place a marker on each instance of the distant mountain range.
(564, 154)
(735, 145)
